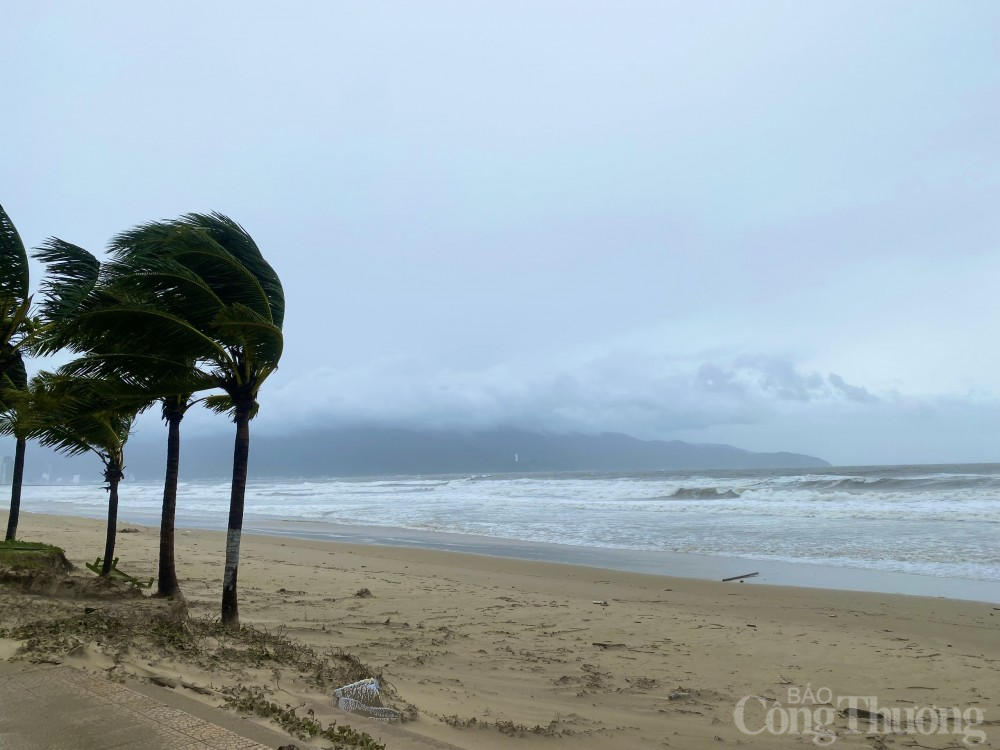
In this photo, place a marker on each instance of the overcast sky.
(769, 224)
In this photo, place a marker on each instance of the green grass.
(32, 556)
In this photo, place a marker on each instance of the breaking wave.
(700, 493)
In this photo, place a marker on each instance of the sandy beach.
(494, 653)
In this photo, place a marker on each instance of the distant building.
(7, 470)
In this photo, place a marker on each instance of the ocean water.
(934, 521)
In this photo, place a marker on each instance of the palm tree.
(200, 309)
(173, 409)
(14, 384)
(78, 286)
(16, 328)
(80, 415)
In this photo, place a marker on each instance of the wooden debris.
(739, 578)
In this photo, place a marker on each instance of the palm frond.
(240, 326)
(132, 375)
(13, 377)
(224, 404)
(236, 240)
(14, 278)
(194, 293)
(149, 240)
(144, 330)
(16, 323)
(227, 277)
(14, 396)
(166, 284)
(8, 422)
(79, 415)
(72, 274)
(196, 250)
(70, 331)
(176, 403)
(130, 366)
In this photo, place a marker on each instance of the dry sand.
(496, 653)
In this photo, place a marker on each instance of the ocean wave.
(908, 484)
(700, 493)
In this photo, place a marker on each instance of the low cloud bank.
(758, 402)
(629, 392)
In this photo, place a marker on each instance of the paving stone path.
(61, 708)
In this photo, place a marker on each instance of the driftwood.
(739, 578)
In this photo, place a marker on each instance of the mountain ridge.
(387, 451)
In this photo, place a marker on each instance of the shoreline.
(669, 564)
(493, 652)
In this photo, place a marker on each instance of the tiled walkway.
(60, 708)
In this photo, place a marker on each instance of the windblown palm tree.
(78, 286)
(16, 329)
(200, 309)
(173, 409)
(15, 385)
(77, 416)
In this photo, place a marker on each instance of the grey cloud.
(852, 392)
(770, 378)
(624, 391)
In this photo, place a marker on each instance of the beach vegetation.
(509, 728)
(162, 630)
(19, 556)
(254, 700)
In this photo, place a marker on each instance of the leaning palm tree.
(71, 279)
(76, 416)
(13, 392)
(16, 329)
(77, 285)
(200, 309)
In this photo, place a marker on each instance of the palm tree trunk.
(241, 456)
(15, 489)
(113, 475)
(167, 573)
